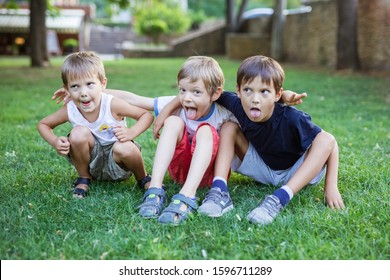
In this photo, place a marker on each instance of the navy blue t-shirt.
(281, 140)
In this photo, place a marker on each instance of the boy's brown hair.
(261, 66)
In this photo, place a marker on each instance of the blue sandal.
(173, 214)
(153, 202)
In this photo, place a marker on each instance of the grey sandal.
(173, 214)
(153, 202)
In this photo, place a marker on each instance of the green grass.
(40, 220)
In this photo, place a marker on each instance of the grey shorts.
(254, 167)
(102, 165)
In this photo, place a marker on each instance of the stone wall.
(374, 34)
(311, 38)
(208, 41)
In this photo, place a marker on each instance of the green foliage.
(70, 42)
(157, 18)
(40, 220)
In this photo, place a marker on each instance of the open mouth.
(255, 112)
(190, 112)
(86, 103)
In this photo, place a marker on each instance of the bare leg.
(316, 157)
(200, 161)
(127, 154)
(81, 144)
(232, 141)
(170, 137)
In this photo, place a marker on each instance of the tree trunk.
(347, 51)
(278, 20)
(39, 55)
(229, 15)
(234, 23)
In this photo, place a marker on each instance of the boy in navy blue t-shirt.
(273, 144)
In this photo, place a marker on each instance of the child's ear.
(217, 94)
(238, 91)
(279, 95)
(104, 83)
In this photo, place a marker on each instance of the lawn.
(40, 220)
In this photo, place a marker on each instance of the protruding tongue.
(255, 113)
(191, 113)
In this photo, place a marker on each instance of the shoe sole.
(227, 209)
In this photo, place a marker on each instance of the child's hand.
(62, 146)
(291, 98)
(122, 133)
(334, 199)
(61, 95)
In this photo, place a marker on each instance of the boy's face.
(195, 99)
(258, 99)
(86, 92)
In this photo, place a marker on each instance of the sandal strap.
(188, 201)
(80, 191)
(156, 191)
(144, 181)
(85, 181)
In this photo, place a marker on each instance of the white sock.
(288, 190)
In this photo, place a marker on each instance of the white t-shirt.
(217, 116)
(102, 128)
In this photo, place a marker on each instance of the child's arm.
(146, 103)
(144, 119)
(332, 195)
(46, 126)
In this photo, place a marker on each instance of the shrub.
(156, 19)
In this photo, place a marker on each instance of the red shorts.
(181, 161)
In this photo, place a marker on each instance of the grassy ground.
(40, 220)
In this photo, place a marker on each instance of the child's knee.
(79, 134)
(125, 150)
(325, 139)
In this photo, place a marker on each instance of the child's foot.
(266, 212)
(153, 202)
(216, 203)
(178, 211)
(81, 187)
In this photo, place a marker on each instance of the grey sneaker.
(266, 212)
(216, 203)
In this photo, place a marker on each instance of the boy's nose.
(256, 99)
(83, 92)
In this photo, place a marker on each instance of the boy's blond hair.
(261, 66)
(203, 68)
(84, 64)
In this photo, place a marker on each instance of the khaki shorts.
(102, 165)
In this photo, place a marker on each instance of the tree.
(233, 23)
(278, 20)
(39, 55)
(347, 50)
